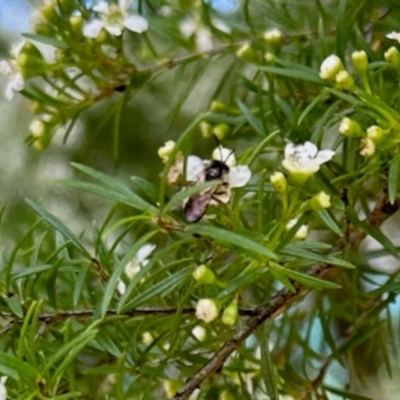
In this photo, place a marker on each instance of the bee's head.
(217, 169)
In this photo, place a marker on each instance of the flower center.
(301, 156)
(115, 15)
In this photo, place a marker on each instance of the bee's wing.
(194, 168)
(197, 205)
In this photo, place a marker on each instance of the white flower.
(394, 36)
(114, 18)
(140, 260)
(37, 128)
(238, 175)
(203, 38)
(305, 158)
(207, 310)
(204, 41)
(301, 233)
(330, 67)
(199, 333)
(3, 389)
(16, 81)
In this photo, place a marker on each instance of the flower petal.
(144, 252)
(239, 176)
(124, 4)
(102, 7)
(121, 287)
(9, 93)
(310, 148)
(225, 155)
(194, 167)
(92, 29)
(115, 30)
(324, 156)
(18, 82)
(136, 23)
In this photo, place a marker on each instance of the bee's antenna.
(220, 149)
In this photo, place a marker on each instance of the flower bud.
(392, 57)
(375, 133)
(49, 12)
(147, 338)
(274, 38)
(165, 151)
(204, 275)
(37, 128)
(207, 310)
(367, 147)
(330, 67)
(320, 201)
(350, 128)
(231, 313)
(171, 386)
(344, 81)
(247, 54)
(269, 58)
(221, 130)
(278, 181)
(301, 233)
(360, 61)
(30, 61)
(76, 22)
(218, 107)
(206, 129)
(199, 333)
(67, 6)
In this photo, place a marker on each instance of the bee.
(196, 205)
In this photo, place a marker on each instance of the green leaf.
(160, 288)
(278, 274)
(330, 222)
(32, 271)
(267, 366)
(394, 177)
(311, 76)
(346, 394)
(46, 40)
(115, 276)
(60, 227)
(307, 280)
(148, 188)
(230, 239)
(15, 368)
(253, 121)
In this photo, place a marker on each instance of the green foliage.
(113, 312)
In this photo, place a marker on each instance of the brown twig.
(383, 209)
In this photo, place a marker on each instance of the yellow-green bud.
(199, 333)
(231, 313)
(103, 38)
(360, 61)
(147, 338)
(221, 130)
(76, 22)
(279, 182)
(274, 38)
(301, 233)
(367, 147)
(331, 67)
(204, 275)
(218, 107)
(375, 133)
(30, 61)
(49, 12)
(225, 395)
(392, 57)
(320, 201)
(350, 128)
(165, 151)
(67, 6)
(206, 129)
(344, 81)
(171, 386)
(269, 58)
(246, 53)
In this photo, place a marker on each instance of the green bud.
(392, 57)
(49, 12)
(345, 81)
(30, 66)
(231, 313)
(76, 23)
(360, 61)
(67, 6)
(204, 275)
(320, 201)
(221, 130)
(350, 128)
(331, 67)
(269, 58)
(278, 181)
(206, 129)
(274, 38)
(218, 107)
(246, 53)
(375, 133)
(367, 147)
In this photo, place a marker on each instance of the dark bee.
(196, 205)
